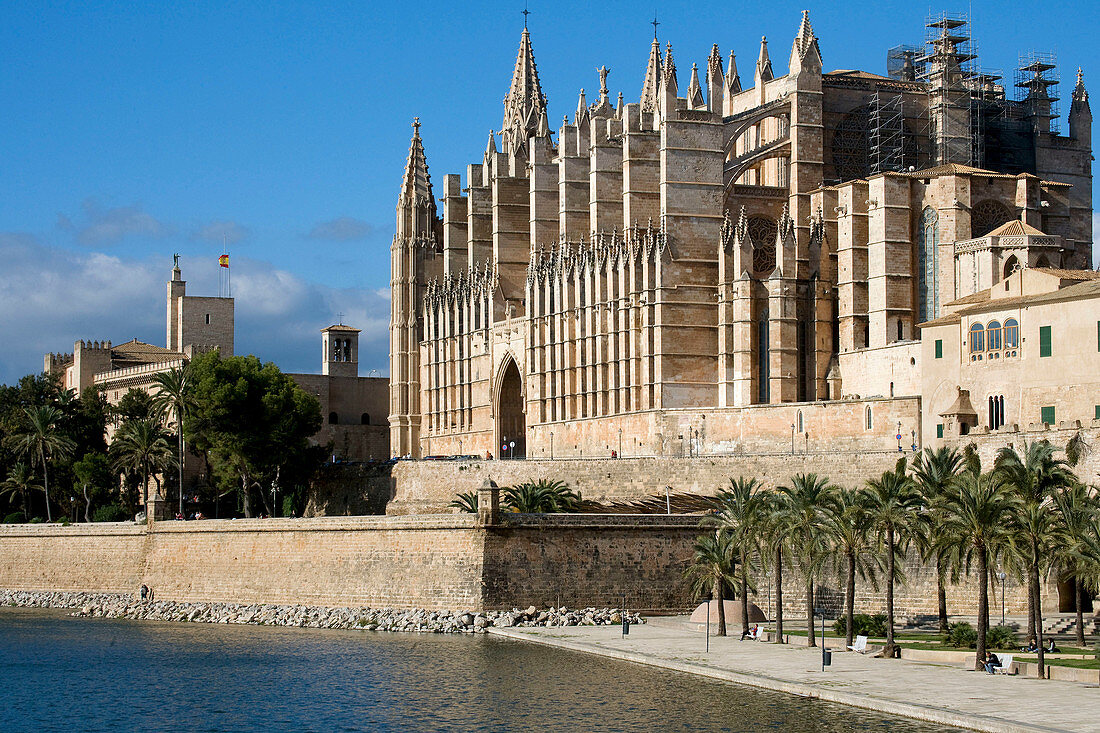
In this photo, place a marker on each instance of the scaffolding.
(887, 132)
(903, 63)
(954, 120)
(1037, 82)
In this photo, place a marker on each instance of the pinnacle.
(417, 184)
(525, 97)
(652, 82)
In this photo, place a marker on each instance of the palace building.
(729, 266)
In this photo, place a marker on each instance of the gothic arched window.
(985, 216)
(928, 265)
(762, 233)
(851, 144)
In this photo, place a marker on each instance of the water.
(69, 674)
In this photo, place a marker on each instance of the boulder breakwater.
(106, 605)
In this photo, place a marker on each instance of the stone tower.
(340, 351)
(418, 234)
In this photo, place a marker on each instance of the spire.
(544, 125)
(417, 186)
(733, 80)
(652, 83)
(714, 80)
(695, 92)
(1080, 94)
(491, 147)
(619, 107)
(805, 53)
(525, 99)
(582, 110)
(764, 63)
(668, 69)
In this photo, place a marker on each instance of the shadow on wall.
(351, 489)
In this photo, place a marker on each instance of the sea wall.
(428, 486)
(425, 561)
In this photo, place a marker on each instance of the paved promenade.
(933, 692)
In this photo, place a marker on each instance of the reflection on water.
(69, 674)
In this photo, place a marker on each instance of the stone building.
(353, 407)
(734, 264)
(1022, 356)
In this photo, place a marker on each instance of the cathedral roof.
(1015, 228)
(341, 327)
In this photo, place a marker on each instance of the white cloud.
(53, 297)
(342, 229)
(220, 231)
(110, 225)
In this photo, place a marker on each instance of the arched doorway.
(511, 421)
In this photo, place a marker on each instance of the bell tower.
(340, 351)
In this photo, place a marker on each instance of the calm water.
(68, 674)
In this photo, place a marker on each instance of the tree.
(136, 404)
(806, 501)
(893, 504)
(141, 447)
(1034, 477)
(742, 509)
(20, 481)
(777, 533)
(848, 528)
(172, 399)
(933, 472)
(1078, 513)
(253, 421)
(95, 478)
(465, 502)
(712, 569)
(975, 516)
(540, 497)
(41, 440)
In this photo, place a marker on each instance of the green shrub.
(110, 513)
(37, 520)
(961, 635)
(15, 518)
(862, 625)
(1000, 637)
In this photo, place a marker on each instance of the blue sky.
(134, 130)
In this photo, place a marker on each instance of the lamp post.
(551, 445)
(792, 439)
(1001, 575)
(620, 453)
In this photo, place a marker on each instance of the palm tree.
(933, 472)
(741, 512)
(1078, 513)
(848, 528)
(807, 500)
(141, 447)
(41, 440)
(1034, 477)
(20, 481)
(541, 497)
(975, 517)
(713, 568)
(465, 502)
(777, 540)
(173, 399)
(894, 507)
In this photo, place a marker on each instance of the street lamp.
(1001, 575)
(551, 445)
(620, 453)
(792, 439)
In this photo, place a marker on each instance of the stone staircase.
(1068, 625)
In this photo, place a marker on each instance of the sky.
(279, 131)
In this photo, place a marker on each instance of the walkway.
(931, 692)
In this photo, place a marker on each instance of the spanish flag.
(223, 260)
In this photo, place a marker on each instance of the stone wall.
(436, 562)
(428, 486)
(346, 489)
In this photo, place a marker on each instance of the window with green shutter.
(939, 348)
(939, 428)
(1046, 414)
(1097, 415)
(1098, 335)
(1044, 341)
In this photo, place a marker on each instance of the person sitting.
(1031, 647)
(992, 661)
(1052, 649)
(750, 633)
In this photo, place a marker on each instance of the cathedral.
(729, 267)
